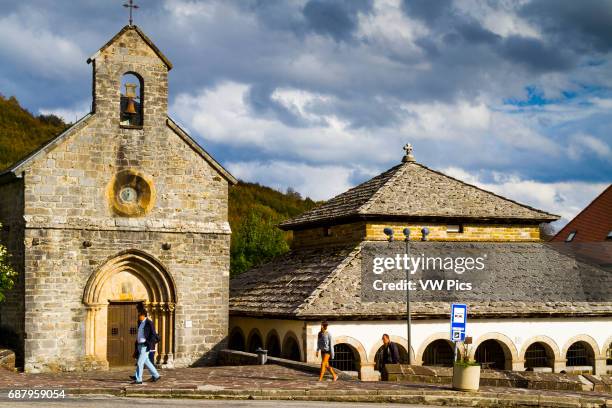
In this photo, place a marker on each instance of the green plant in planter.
(463, 357)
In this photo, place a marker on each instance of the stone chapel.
(123, 210)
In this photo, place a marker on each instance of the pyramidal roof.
(411, 190)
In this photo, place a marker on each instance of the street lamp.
(408, 320)
(389, 233)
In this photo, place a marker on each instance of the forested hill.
(254, 210)
(21, 132)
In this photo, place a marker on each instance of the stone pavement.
(281, 383)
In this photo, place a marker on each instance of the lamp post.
(408, 319)
(389, 233)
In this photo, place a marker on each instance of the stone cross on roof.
(130, 5)
(408, 157)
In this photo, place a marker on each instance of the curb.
(423, 397)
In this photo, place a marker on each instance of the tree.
(7, 274)
(256, 241)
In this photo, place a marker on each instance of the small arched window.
(131, 100)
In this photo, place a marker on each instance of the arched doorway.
(236, 340)
(346, 358)
(439, 353)
(112, 295)
(580, 354)
(539, 355)
(490, 354)
(254, 342)
(291, 348)
(273, 344)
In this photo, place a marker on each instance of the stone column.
(600, 366)
(517, 365)
(559, 365)
(170, 336)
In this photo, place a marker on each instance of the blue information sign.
(458, 321)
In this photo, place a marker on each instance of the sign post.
(458, 324)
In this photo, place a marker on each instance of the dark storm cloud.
(319, 47)
(338, 18)
(426, 10)
(536, 55)
(582, 25)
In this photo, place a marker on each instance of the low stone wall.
(233, 358)
(514, 379)
(7, 359)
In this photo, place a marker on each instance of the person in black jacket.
(390, 355)
(146, 339)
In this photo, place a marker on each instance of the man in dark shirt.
(390, 355)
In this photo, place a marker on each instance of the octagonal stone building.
(122, 210)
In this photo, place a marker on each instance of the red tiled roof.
(593, 224)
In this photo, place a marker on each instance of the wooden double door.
(122, 330)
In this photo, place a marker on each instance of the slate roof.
(525, 279)
(412, 190)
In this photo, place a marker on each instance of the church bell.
(130, 94)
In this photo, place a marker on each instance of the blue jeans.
(143, 360)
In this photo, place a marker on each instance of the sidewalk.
(281, 383)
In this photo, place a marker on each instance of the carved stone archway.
(160, 302)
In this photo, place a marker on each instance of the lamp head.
(406, 232)
(389, 233)
(425, 232)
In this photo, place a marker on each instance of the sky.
(513, 96)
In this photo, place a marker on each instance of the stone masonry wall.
(58, 267)
(371, 231)
(325, 236)
(471, 232)
(12, 236)
(69, 200)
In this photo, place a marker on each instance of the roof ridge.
(325, 283)
(142, 35)
(401, 169)
(487, 191)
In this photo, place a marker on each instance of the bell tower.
(130, 81)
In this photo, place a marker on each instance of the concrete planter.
(466, 378)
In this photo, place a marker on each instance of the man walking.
(146, 339)
(390, 355)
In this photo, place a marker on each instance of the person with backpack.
(326, 346)
(146, 340)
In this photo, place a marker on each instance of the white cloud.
(316, 182)
(582, 144)
(37, 49)
(566, 198)
(69, 114)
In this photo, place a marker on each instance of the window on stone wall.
(609, 355)
(131, 105)
(439, 353)
(579, 355)
(536, 356)
(456, 229)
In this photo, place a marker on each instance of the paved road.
(110, 402)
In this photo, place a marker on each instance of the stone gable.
(108, 205)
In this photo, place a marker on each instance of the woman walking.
(325, 345)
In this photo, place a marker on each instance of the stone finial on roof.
(408, 157)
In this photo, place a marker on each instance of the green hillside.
(21, 132)
(254, 210)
